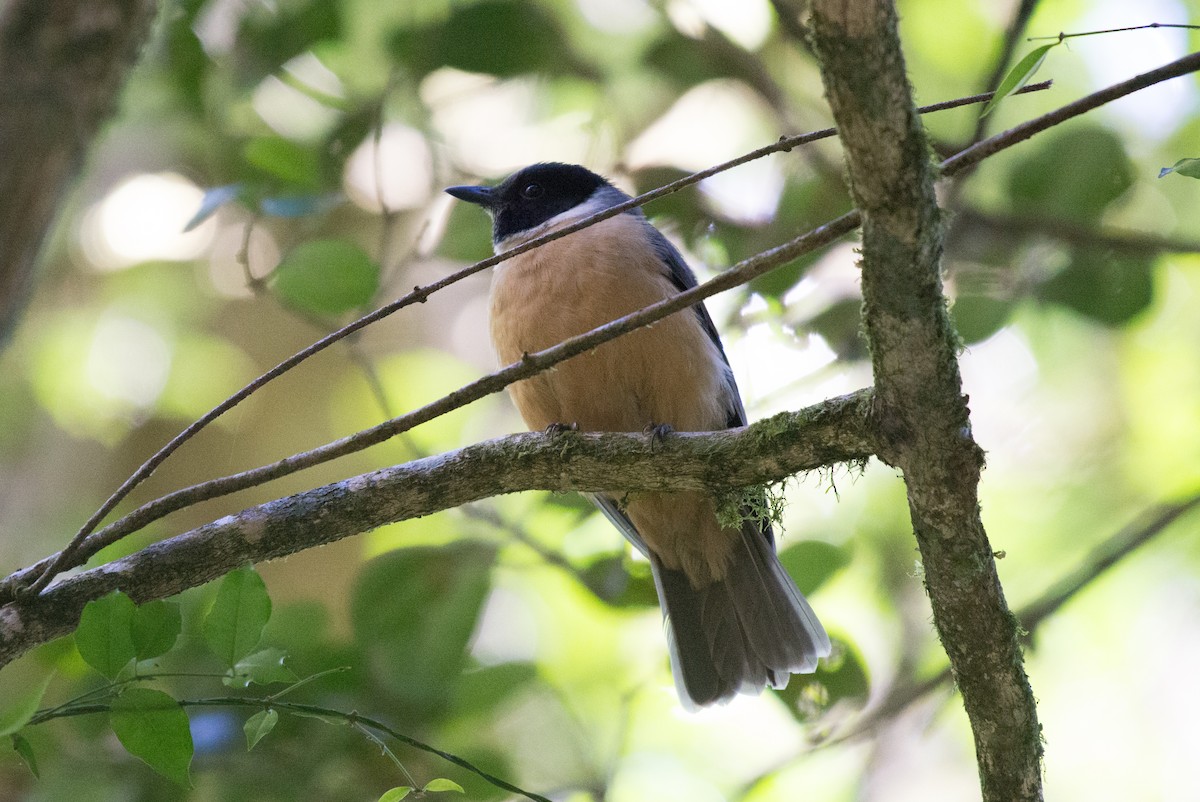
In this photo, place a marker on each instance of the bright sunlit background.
(177, 274)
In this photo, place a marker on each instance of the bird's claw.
(658, 432)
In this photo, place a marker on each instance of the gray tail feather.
(749, 630)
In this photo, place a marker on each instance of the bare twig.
(1061, 36)
(1012, 34)
(979, 151)
(530, 365)
(1123, 543)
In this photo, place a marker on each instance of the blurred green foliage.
(526, 638)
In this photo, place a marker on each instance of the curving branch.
(834, 431)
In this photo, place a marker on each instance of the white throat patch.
(596, 203)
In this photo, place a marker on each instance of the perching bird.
(736, 621)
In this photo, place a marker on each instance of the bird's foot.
(658, 433)
(561, 428)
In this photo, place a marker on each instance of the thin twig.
(314, 710)
(981, 150)
(532, 364)
(1016, 27)
(1117, 547)
(1061, 36)
(522, 536)
(46, 571)
(383, 747)
(739, 274)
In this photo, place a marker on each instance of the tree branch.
(1074, 233)
(922, 418)
(770, 450)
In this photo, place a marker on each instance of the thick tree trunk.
(63, 64)
(920, 413)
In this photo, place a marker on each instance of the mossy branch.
(834, 431)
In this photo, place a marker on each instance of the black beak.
(481, 196)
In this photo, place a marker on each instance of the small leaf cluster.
(116, 638)
(120, 640)
(415, 609)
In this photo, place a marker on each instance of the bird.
(735, 621)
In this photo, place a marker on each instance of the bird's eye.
(532, 191)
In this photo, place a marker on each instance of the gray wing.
(684, 279)
(619, 519)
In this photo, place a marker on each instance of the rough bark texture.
(833, 431)
(63, 64)
(921, 416)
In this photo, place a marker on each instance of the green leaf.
(396, 794)
(840, 325)
(262, 668)
(21, 744)
(17, 708)
(156, 626)
(1018, 76)
(1075, 174)
(1110, 288)
(153, 727)
(442, 784)
(270, 34)
(285, 160)
(104, 637)
(812, 562)
(234, 625)
(186, 62)
(842, 677)
(413, 612)
(620, 582)
(527, 39)
(213, 200)
(1188, 167)
(259, 725)
(326, 277)
(977, 317)
(481, 690)
(468, 236)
